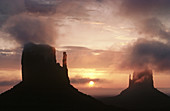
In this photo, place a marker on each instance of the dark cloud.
(39, 26)
(153, 50)
(80, 80)
(143, 8)
(24, 28)
(11, 7)
(75, 9)
(149, 16)
(145, 14)
(25, 20)
(64, 8)
(16, 20)
(72, 8)
(148, 53)
(46, 6)
(153, 28)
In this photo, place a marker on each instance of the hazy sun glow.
(91, 84)
(88, 72)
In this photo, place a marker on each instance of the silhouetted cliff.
(141, 94)
(39, 67)
(46, 86)
(141, 79)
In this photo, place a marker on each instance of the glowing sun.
(91, 84)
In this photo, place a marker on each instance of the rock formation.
(142, 79)
(45, 85)
(141, 94)
(39, 66)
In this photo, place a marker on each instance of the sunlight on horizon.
(91, 84)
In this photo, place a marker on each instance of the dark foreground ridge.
(141, 94)
(45, 85)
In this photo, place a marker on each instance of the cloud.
(29, 20)
(153, 28)
(145, 8)
(82, 57)
(39, 27)
(41, 6)
(149, 16)
(25, 28)
(148, 53)
(64, 8)
(78, 57)
(81, 80)
(10, 59)
(150, 20)
(11, 7)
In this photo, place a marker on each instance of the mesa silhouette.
(141, 94)
(45, 85)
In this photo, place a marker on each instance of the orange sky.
(96, 35)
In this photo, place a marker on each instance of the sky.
(105, 40)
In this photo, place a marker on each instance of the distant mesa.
(141, 79)
(39, 67)
(46, 86)
(141, 94)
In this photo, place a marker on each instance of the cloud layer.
(80, 80)
(23, 26)
(145, 8)
(36, 20)
(82, 57)
(29, 23)
(24, 29)
(153, 50)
